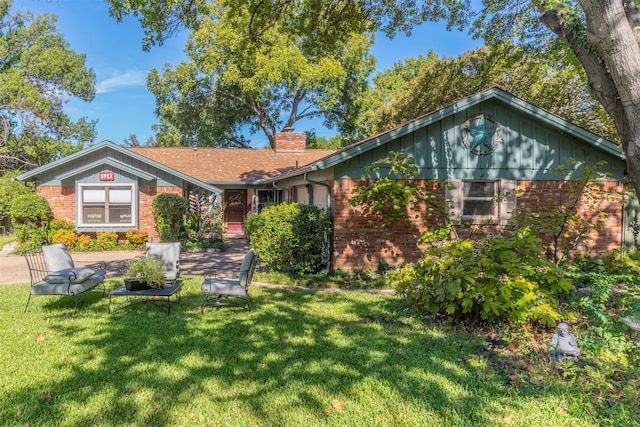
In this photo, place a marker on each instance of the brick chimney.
(289, 141)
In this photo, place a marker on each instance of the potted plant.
(144, 273)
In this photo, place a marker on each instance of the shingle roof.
(226, 165)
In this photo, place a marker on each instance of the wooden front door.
(235, 208)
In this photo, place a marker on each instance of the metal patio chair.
(168, 253)
(214, 290)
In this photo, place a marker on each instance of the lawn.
(298, 359)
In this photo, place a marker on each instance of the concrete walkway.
(13, 268)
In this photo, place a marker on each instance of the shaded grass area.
(299, 358)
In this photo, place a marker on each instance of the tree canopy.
(38, 73)
(442, 81)
(255, 67)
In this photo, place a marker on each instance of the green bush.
(30, 216)
(494, 278)
(137, 237)
(623, 260)
(169, 211)
(290, 237)
(107, 240)
(8, 190)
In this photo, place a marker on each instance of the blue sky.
(123, 105)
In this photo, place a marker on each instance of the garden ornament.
(563, 344)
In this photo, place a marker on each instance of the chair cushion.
(45, 288)
(57, 257)
(62, 276)
(223, 287)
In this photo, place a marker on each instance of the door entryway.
(235, 207)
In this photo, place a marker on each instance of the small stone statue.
(563, 344)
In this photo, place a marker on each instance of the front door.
(235, 208)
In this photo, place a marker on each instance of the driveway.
(13, 268)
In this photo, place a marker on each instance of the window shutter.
(508, 205)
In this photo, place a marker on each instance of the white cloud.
(121, 80)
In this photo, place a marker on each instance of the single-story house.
(486, 145)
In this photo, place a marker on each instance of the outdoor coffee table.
(151, 296)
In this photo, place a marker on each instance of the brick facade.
(63, 205)
(361, 242)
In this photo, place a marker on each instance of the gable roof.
(108, 145)
(230, 165)
(514, 102)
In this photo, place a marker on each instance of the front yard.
(299, 358)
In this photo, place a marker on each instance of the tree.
(255, 67)
(442, 81)
(38, 73)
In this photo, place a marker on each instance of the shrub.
(30, 216)
(59, 224)
(107, 240)
(290, 237)
(169, 211)
(137, 237)
(8, 190)
(85, 242)
(68, 237)
(494, 278)
(623, 260)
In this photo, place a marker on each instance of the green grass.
(298, 359)
(6, 239)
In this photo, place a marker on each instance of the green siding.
(530, 150)
(122, 175)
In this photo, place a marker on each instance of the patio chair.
(215, 289)
(53, 272)
(169, 256)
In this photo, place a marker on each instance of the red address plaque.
(107, 176)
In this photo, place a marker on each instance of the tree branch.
(599, 77)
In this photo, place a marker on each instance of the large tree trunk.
(610, 56)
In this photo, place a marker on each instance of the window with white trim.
(479, 200)
(106, 205)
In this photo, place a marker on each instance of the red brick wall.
(62, 201)
(361, 242)
(63, 204)
(542, 194)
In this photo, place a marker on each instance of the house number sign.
(106, 176)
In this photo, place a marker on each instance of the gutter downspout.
(328, 187)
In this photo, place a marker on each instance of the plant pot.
(136, 285)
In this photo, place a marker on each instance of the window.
(478, 200)
(106, 205)
(268, 197)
